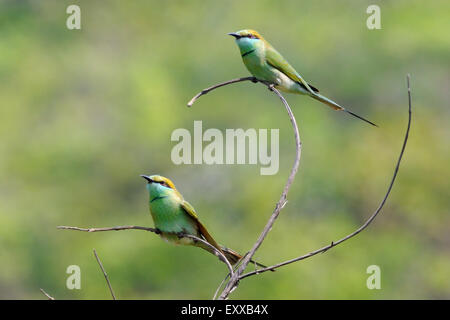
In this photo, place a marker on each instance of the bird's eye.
(165, 184)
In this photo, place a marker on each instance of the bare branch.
(46, 294)
(104, 273)
(154, 230)
(110, 229)
(368, 221)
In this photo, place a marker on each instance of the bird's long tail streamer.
(335, 106)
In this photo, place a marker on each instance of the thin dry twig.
(205, 91)
(369, 220)
(119, 228)
(46, 294)
(234, 279)
(105, 274)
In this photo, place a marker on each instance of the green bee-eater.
(173, 216)
(267, 64)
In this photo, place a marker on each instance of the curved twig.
(205, 91)
(368, 221)
(234, 279)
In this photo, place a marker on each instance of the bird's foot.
(180, 235)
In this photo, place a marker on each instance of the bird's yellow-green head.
(158, 185)
(247, 39)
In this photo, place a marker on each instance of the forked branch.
(234, 280)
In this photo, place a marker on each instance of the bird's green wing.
(189, 209)
(277, 61)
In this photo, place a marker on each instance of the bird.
(268, 65)
(174, 217)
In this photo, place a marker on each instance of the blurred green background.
(84, 112)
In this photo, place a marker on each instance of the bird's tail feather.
(335, 106)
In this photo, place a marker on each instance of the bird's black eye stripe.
(163, 183)
(250, 36)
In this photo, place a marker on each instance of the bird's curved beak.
(234, 35)
(147, 178)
